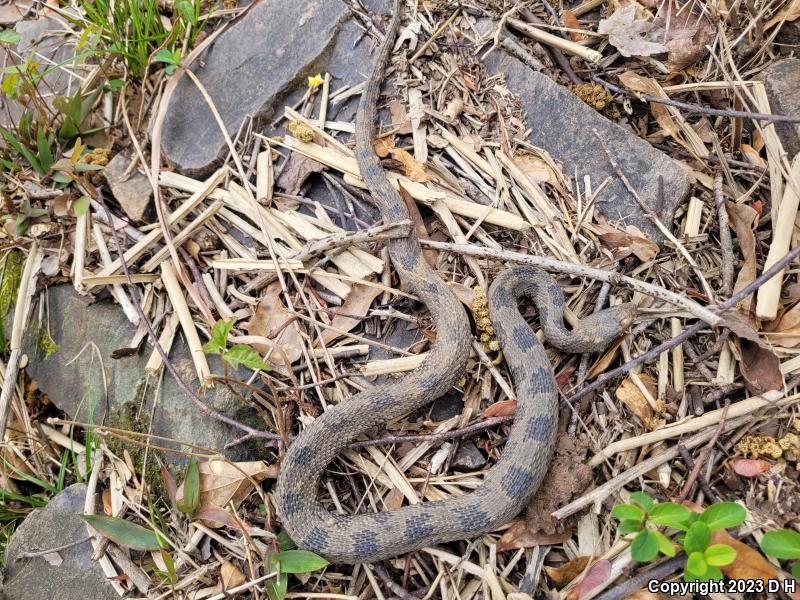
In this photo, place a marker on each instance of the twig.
(725, 241)
(695, 472)
(343, 239)
(431, 39)
(559, 57)
(26, 289)
(24, 555)
(701, 480)
(634, 584)
(612, 277)
(696, 108)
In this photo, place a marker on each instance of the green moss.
(132, 416)
(12, 266)
(46, 345)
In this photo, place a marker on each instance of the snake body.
(514, 478)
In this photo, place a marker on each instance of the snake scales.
(511, 482)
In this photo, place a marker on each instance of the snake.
(509, 484)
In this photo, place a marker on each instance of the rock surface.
(468, 458)
(561, 124)
(782, 80)
(84, 381)
(78, 577)
(14, 11)
(247, 71)
(133, 193)
(47, 37)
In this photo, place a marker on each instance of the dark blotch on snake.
(539, 428)
(304, 455)
(517, 481)
(501, 295)
(292, 504)
(540, 380)
(365, 543)
(472, 518)
(419, 526)
(316, 539)
(524, 338)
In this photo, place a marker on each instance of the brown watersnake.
(509, 484)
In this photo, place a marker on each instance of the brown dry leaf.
(400, 121)
(223, 482)
(623, 244)
(535, 168)
(394, 499)
(743, 221)
(230, 576)
(644, 595)
(349, 314)
(296, 172)
(413, 169)
(502, 408)
(383, 146)
(107, 502)
(214, 517)
(750, 467)
(628, 35)
(759, 366)
(786, 328)
(684, 33)
(571, 21)
(752, 156)
(270, 321)
(464, 293)
(562, 575)
(749, 563)
(419, 224)
(519, 536)
(789, 13)
(630, 395)
(602, 363)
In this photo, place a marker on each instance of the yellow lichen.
(97, 156)
(593, 94)
(301, 131)
(315, 81)
(480, 310)
(765, 445)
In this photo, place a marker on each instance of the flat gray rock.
(782, 80)
(561, 124)
(468, 458)
(134, 192)
(248, 71)
(83, 380)
(14, 11)
(77, 577)
(48, 37)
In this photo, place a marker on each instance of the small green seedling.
(783, 544)
(643, 517)
(171, 57)
(241, 354)
(288, 560)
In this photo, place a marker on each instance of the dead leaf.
(596, 575)
(750, 467)
(752, 156)
(785, 329)
(743, 221)
(383, 146)
(749, 563)
(760, 367)
(629, 394)
(413, 169)
(271, 321)
(684, 33)
(519, 536)
(297, 170)
(394, 499)
(214, 517)
(562, 575)
(502, 408)
(464, 293)
(230, 576)
(349, 314)
(419, 224)
(223, 482)
(790, 13)
(571, 21)
(627, 34)
(401, 123)
(624, 244)
(535, 168)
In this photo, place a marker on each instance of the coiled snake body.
(514, 478)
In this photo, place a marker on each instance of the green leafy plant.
(288, 559)
(191, 490)
(125, 533)
(644, 518)
(240, 354)
(783, 544)
(171, 57)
